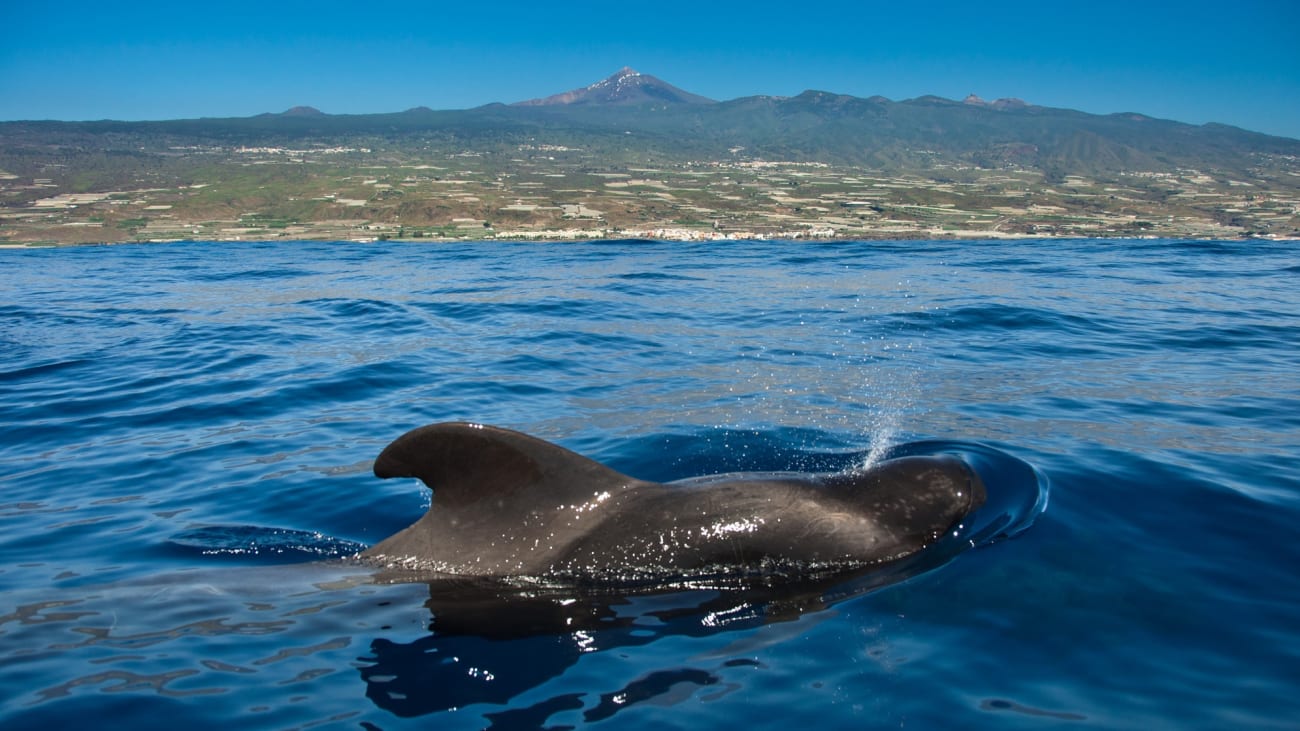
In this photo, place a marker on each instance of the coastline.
(10, 245)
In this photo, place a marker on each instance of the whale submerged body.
(509, 505)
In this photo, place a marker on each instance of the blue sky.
(1236, 63)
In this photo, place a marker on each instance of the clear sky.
(1233, 62)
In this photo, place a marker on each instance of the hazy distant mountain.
(625, 88)
(632, 115)
(301, 112)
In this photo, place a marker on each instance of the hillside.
(994, 163)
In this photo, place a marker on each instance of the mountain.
(632, 153)
(625, 88)
(303, 112)
(635, 116)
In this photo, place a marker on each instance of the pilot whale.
(506, 504)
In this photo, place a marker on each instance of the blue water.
(186, 434)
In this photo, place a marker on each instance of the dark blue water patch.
(352, 384)
(136, 390)
(505, 311)
(440, 673)
(29, 320)
(455, 292)
(524, 363)
(1192, 259)
(1263, 336)
(503, 388)
(1001, 317)
(677, 455)
(653, 276)
(223, 392)
(600, 341)
(557, 308)
(648, 288)
(1170, 525)
(534, 716)
(1058, 270)
(259, 544)
(1208, 248)
(474, 312)
(193, 341)
(360, 316)
(1114, 410)
(123, 701)
(780, 353)
(903, 248)
(1008, 264)
(652, 687)
(1145, 532)
(244, 275)
(1014, 331)
(760, 317)
(165, 314)
(829, 256)
(44, 370)
(358, 309)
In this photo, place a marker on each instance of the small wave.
(363, 315)
(1004, 317)
(42, 369)
(245, 275)
(657, 276)
(254, 541)
(346, 307)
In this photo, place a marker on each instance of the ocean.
(187, 433)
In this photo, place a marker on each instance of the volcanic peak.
(626, 87)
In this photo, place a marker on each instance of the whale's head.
(919, 499)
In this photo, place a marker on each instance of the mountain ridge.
(814, 126)
(624, 90)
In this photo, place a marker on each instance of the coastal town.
(545, 192)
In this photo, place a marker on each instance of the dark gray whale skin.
(506, 504)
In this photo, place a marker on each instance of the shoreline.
(646, 239)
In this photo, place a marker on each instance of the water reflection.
(486, 646)
(489, 644)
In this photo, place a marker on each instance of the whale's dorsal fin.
(485, 477)
(466, 463)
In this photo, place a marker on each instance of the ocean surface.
(187, 433)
